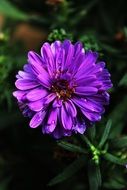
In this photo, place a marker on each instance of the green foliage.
(7, 9)
(123, 81)
(114, 159)
(59, 35)
(105, 134)
(71, 147)
(120, 142)
(69, 171)
(94, 176)
(91, 42)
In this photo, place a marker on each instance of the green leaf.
(105, 133)
(114, 159)
(92, 132)
(70, 147)
(118, 116)
(123, 81)
(114, 184)
(4, 183)
(119, 142)
(109, 48)
(94, 176)
(7, 9)
(69, 171)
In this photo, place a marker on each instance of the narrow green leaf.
(109, 48)
(94, 176)
(123, 81)
(92, 132)
(105, 133)
(70, 147)
(114, 185)
(114, 159)
(69, 171)
(118, 115)
(10, 10)
(4, 183)
(119, 142)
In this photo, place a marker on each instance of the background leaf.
(7, 9)
(71, 147)
(69, 171)
(105, 134)
(120, 142)
(114, 159)
(94, 176)
(123, 81)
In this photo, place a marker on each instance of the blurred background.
(28, 159)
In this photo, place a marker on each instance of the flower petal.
(69, 52)
(36, 94)
(25, 84)
(80, 127)
(44, 79)
(48, 99)
(86, 90)
(66, 118)
(92, 116)
(20, 95)
(47, 55)
(90, 104)
(71, 108)
(51, 122)
(36, 105)
(25, 75)
(36, 62)
(37, 119)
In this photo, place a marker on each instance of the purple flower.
(63, 90)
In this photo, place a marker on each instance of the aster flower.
(63, 90)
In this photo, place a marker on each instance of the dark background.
(28, 159)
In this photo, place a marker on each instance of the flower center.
(62, 89)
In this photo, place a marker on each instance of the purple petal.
(66, 118)
(76, 62)
(77, 48)
(90, 104)
(48, 99)
(85, 80)
(57, 103)
(25, 84)
(100, 98)
(60, 132)
(92, 116)
(27, 68)
(44, 79)
(37, 119)
(47, 55)
(86, 90)
(90, 59)
(36, 62)
(20, 95)
(70, 107)
(88, 64)
(55, 46)
(52, 121)
(69, 52)
(25, 75)
(36, 94)
(36, 106)
(80, 127)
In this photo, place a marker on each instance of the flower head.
(63, 90)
